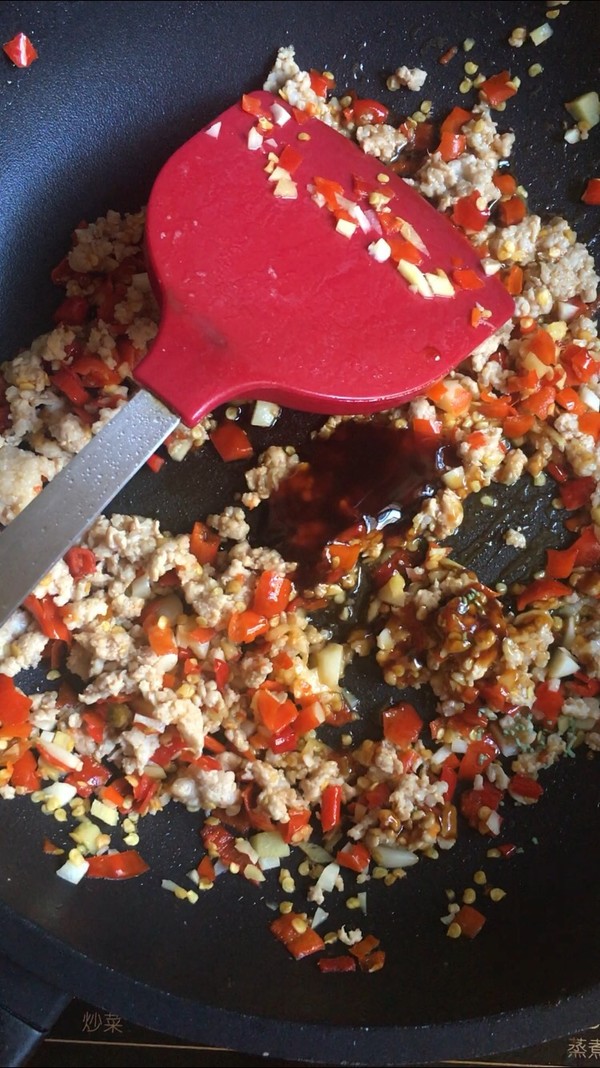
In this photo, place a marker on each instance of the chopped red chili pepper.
(591, 193)
(402, 725)
(116, 865)
(20, 50)
(80, 561)
(331, 807)
(231, 442)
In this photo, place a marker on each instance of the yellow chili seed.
(454, 931)
(469, 896)
(497, 893)
(480, 878)
(465, 87)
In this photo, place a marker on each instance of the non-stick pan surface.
(117, 87)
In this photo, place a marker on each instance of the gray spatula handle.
(59, 516)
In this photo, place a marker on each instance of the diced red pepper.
(579, 364)
(70, 384)
(541, 590)
(368, 112)
(94, 372)
(20, 50)
(588, 548)
(253, 106)
(47, 616)
(512, 279)
(466, 278)
(95, 724)
(477, 757)
(469, 920)
(589, 423)
(498, 88)
(231, 441)
(246, 626)
(403, 250)
(451, 145)
(272, 594)
(273, 713)
(511, 211)
(523, 786)
(577, 492)
(468, 213)
(90, 778)
(320, 83)
(161, 639)
(298, 938)
(336, 964)
(456, 120)
(560, 562)
(290, 159)
(155, 462)
(331, 807)
(548, 702)
(221, 672)
(284, 740)
(569, 399)
(24, 775)
(14, 704)
(117, 865)
(204, 543)
(506, 183)
(206, 870)
(472, 801)
(591, 193)
(356, 857)
(541, 402)
(298, 820)
(80, 561)
(330, 190)
(516, 426)
(169, 749)
(402, 725)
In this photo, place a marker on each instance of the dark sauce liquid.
(346, 481)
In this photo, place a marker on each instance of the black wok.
(116, 89)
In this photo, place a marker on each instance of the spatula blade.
(60, 515)
(263, 297)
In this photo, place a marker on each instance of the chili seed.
(480, 878)
(535, 69)
(468, 44)
(352, 903)
(454, 931)
(299, 924)
(465, 86)
(497, 893)
(471, 68)
(285, 907)
(469, 896)
(303, 136)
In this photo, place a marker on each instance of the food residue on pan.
(204, 669)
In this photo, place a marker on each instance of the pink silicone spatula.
(290, 266)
